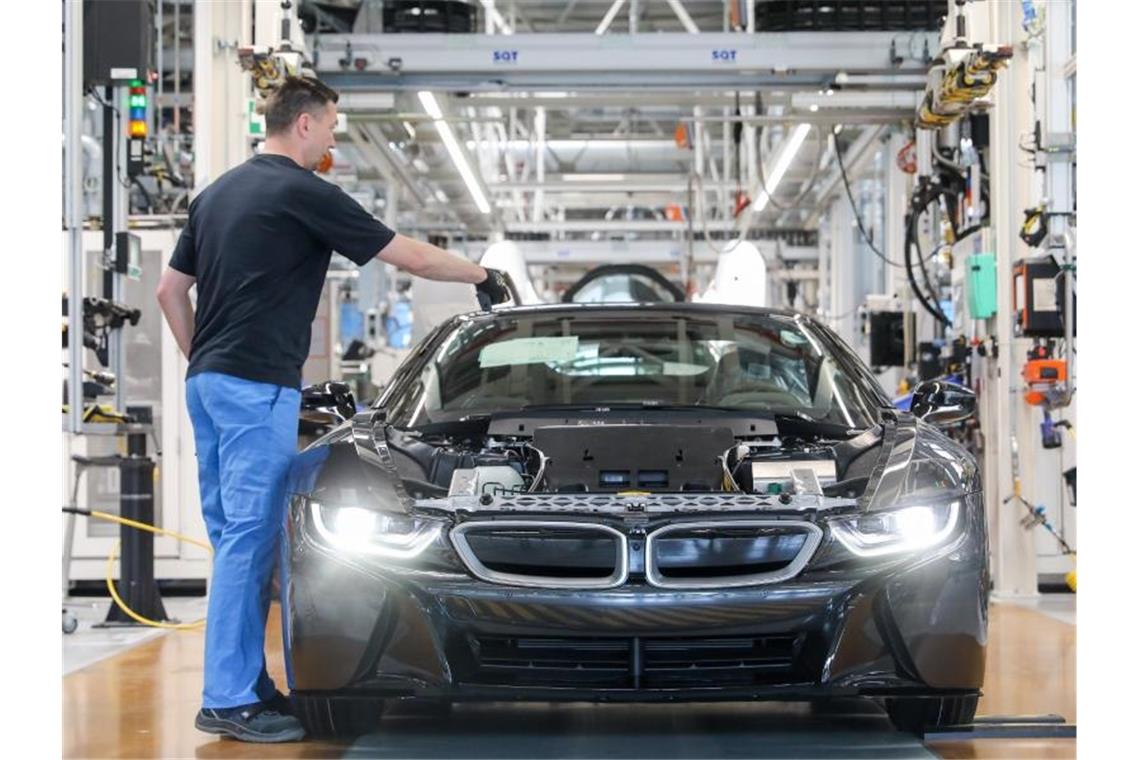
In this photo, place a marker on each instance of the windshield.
(753, 363)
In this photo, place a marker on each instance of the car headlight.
(896, 531)
(367, 531)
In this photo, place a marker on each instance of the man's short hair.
(295, 96)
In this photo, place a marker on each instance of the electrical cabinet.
(118, 35)
(1038, 298)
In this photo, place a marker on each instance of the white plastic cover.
(741, 277)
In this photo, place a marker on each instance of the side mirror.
(941, 403)
(328, 403)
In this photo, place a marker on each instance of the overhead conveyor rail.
(473, 63)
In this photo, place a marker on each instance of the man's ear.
(303, 124)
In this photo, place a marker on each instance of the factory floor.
(134, 693)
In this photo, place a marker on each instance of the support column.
(73, 207)
(842, 270)
(539, 161)
(897, 191)
(220, 88)
(1013, 557)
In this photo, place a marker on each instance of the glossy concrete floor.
(140, 702)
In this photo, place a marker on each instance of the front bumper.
(914, 626)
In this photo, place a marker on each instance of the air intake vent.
(547, 554)
(726, 553)
(633, 663)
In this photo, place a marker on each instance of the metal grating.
(849, 15)
(602, 503)
(546, 554)
(728, 553)
(635, 662)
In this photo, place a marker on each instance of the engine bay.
(633, 454)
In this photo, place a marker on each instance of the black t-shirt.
(259, 241)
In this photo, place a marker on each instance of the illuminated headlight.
(366, 531)
(897, 530)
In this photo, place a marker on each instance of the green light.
(138, 101)
(136, 83)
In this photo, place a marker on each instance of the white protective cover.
(741, 277)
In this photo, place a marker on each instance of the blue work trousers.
(245, 434)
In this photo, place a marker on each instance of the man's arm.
(426, 260)
(174, 298)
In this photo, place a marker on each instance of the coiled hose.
(195, 625)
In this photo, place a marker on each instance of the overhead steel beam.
(669, 60)
(590, 252)
(678, 100)
(609, 17)
(830, 117)
(628, 183)
(376, 150)
(684, 17)
(566, 12)
(613, 226)
(607, 199)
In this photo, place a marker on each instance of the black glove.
(493, 290)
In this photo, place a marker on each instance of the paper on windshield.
(529, 351)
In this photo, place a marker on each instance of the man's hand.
(493, 290)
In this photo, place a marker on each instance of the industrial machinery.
(959, 83)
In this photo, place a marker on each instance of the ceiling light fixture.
(431, 105)
(609, 17)
(496, 17)
(780, 168)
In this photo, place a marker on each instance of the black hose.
(910, 239)
(854, 208)
(921, 258)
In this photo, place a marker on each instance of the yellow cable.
(111, 569)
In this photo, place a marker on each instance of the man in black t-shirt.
(257, 246)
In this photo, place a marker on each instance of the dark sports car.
(638, 502)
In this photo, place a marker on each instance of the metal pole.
(1014, 560)
(156, 112)
(73, 195)
(539, 161)
(120, 201)
(687, 261)
(177, 68)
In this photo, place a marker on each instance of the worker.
(257, 245)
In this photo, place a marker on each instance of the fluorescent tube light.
(431, 105)
(783, 161)
(609, 17)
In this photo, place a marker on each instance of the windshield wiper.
(798, 422)
(645, 406)
(467, 422)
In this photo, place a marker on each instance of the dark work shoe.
(252, 723)
(279, 703)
